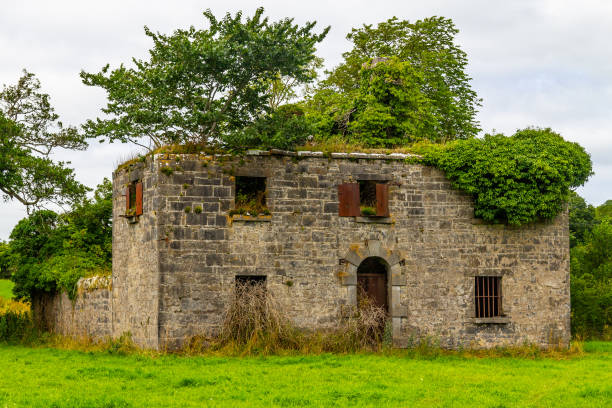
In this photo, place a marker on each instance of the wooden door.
(373, 286)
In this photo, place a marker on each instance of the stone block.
(353, 257)
(398, 277)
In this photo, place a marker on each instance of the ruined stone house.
(331, 224)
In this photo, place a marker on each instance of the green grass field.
(6, 289)
(47, 377)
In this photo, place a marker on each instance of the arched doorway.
(372, 282)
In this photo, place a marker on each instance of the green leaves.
(591, 282)
(283, 128)
(200, 85)
(29, 133)
(420, 92)
(390, 108)
(51, 252)
(518, 179)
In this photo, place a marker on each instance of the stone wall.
(89, 315)
(136, 258)
(173, 271)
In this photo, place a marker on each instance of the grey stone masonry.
(174, 268)
(88, 316)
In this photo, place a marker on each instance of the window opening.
(133, 198)
(250, 198)
(487, 296)
(250, 280)
(367, 198)
(251, 293)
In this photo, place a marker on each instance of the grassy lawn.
(46, 377)
(6, 289)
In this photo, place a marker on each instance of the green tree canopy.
(5, 263)
(29, 133)
(434, 81)
(591, 283)
(51, 252)
(390, 108)
(604, 210)
(582, 219)
(201, 84)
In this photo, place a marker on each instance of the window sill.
(131, 219)
(375, 220)
(491, 320)
(250, 218)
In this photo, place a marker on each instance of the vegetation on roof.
(517, 180)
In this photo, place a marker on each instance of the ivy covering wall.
(518, 179)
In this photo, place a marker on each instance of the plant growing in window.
(250, 196)
(366, 198)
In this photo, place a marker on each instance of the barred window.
(487, 296)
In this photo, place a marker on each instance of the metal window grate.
(487, 296)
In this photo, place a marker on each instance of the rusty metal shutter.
(348, 198)
(382, 200)
(138, 198)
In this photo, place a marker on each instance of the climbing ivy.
(518, 179)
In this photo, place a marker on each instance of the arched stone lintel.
(357, 254)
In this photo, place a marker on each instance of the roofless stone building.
(331, 224)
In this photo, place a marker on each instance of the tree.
(390, 108)
(29, 133)
(591, 283)
(582, 219)
(200, 85)
(604, 210)
(427, 47)
(5, 263)
(283, 89)
(50, 252)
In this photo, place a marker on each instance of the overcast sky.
(534, 63)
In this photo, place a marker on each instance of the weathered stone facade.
(173, 270)
(88, 316)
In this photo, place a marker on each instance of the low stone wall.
(89, 315)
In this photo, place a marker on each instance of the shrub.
(254, 323)
(16, 325)
(167, 170)
(518, 179)
(124, 345)
(284, 128)
(368, 211)
(364, 328)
